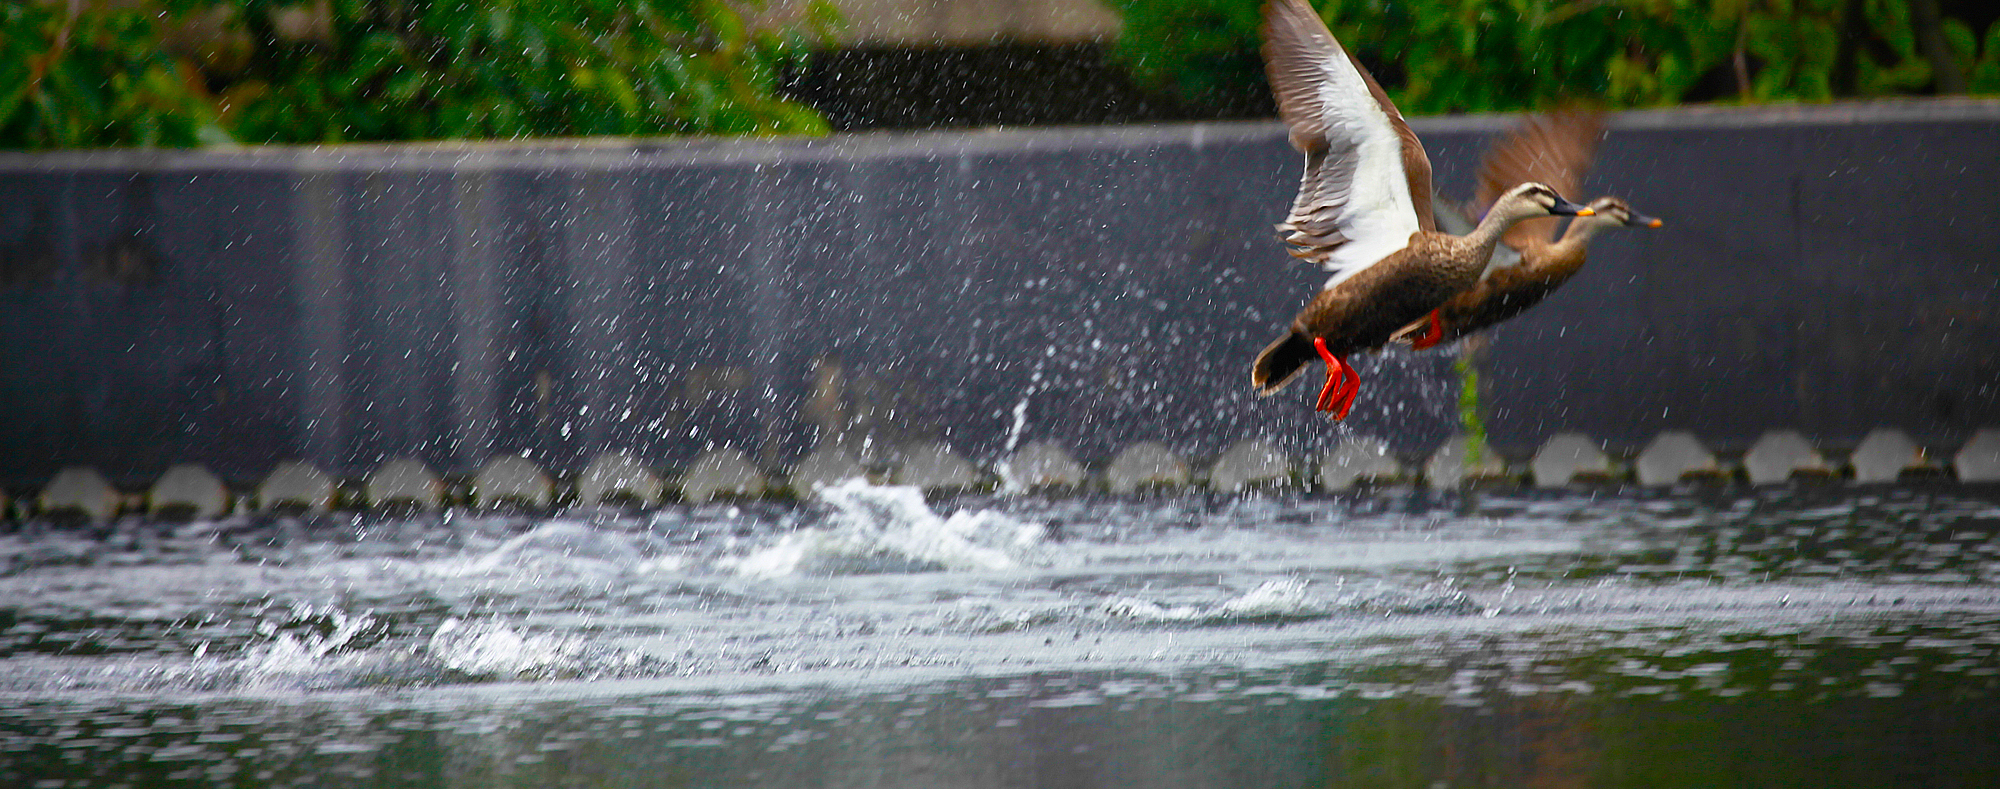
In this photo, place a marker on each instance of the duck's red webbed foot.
(1433, 333)
(1342, 383)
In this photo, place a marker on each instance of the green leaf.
(1984, 77)
(1963, 42)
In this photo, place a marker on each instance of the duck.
(1527, 266)
(1363, 211)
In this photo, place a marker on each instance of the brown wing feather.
(1294, 38)
(1555, 150)
(1293, 43)
(1314, 225)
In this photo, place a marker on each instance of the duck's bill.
(1642, 220)
(1567, 208)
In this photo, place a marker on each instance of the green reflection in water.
(1895, 705)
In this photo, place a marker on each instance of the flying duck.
(1363, 211)
(1554, 150)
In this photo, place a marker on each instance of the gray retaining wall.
(1828, 269)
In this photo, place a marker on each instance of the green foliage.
(1471, 418)
(272, 71)
(1486, 55)
(411, 69)
(1984, 76)
(97, 79)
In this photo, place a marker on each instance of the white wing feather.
(1380, 216)
(1354, 207)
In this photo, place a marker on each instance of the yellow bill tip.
(1655, 223)
(1585, 212)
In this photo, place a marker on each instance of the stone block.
(1451, 466)
(1042, 465)
(1248, 463)
(515, 480)
(188, 492)
(935, 467)
(1569, 458)
(828, 464)
(1673, 456)
(1358, 461)
(1780, 455)
(296, 485)
(724, 471)
(1884, 455)
(80, 491)
(618, 477)
(1148, 464)
(405, 482)
(1979, 459)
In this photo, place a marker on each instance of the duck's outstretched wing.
(1554, 149)
(1367, 184)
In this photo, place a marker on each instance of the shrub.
(185, 72)
(1479, 55)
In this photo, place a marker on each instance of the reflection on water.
(1789, 638)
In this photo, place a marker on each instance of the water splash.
(889, 529)
(311, 643)
(1288, 600)
(1281, 599)
(1020, 423)
(493, 650)
(1016, 430)
(564, 549)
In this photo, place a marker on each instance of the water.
(1757, 638)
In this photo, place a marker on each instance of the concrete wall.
(1828, 269)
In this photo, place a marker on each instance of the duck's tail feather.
(1280, 362)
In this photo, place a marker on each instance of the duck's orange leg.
(1342, 383)
(1336, 387)
(1432, 333)
(1336, 375)
(1348, 394)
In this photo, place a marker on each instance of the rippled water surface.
(869, 638)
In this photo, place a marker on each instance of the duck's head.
(1531, 200)
(1613, 211)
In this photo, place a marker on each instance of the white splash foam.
(889, 529)
(291, 655)
(1285, 597)
(565, 547)
(491, 649)
(1280, 599)
(1020, 424)
(1149, 611)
